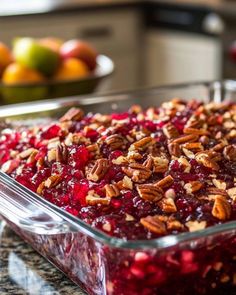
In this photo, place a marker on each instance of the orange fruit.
(71, 68)
(51, 43)
(5, 55)
(18, 74)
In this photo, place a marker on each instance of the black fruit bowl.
(52, 89)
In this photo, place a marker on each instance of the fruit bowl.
(51, 89)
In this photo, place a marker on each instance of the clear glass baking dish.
(202, 262)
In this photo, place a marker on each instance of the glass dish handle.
(22, 207)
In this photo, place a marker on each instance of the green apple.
(33, 55)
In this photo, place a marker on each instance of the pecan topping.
(125, 183)
(148, 162)
(195, 225)
(167, 205)
(170, 131)
(137, 172)
(205, 160)
(73, 114)
(229, 152)
(185, 138)
(220, 184)
(94, 199)
(61, 153)
(174, 225)
(142, 144)
(160, 164)
(174, 149)
(93, 149)
(31, 158)
(220, 146)
(10, 166)
(165, 182)
(149, 192)
(26, 153)
(193, 186)
(196, 146)
(232, 193)
(216, 191)
(221, 208)
(115, 141)
(52, 181)
(51, 155)
(112, 190)
(153, 224)
(195, 131)
(40, 188)
(98, 170)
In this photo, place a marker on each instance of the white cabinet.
(173, 57)
(113, 32)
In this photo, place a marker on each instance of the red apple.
(81, 50)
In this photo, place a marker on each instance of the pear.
(31, 54)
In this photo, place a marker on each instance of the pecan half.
(185, 138)
(98, 170)
(148, 162)
(142, 144)
(150, 192)
(153, 224)
(196, 146)
(170, 131)
(52, 181)
(137, 172)
(73, 114)
(61, 153)
(195, 131)
(205, 160)
(174, 149)
(165, 182)
(229, 152)
(115, 141)
(221, 208)
(112, 190)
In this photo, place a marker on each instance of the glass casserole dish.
(202, 262)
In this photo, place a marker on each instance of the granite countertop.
(24, 272)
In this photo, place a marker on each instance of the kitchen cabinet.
(115, 33)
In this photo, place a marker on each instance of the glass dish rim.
(161, 243)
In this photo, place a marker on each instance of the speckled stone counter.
(23, 271)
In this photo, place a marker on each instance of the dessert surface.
(140, 174)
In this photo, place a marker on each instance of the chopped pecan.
(160, 164)
(112, 190)
(194, 122)
(221, 208)
(94, 199)
(53, 143)
(132, 156)
(232, 193)
(229, 152)
(174, 225)
(51, 155)
(26, 153)
(115, 141)
(98, 170)
(167, 205)
(185, 138)
(10, 165)
(220, 184)
(193, 186)
(153, 224)
(31, 158)
(220, 146)
(142, 144)
(75, 138)
(52, 181)
(120, 160)
(195, 225)
(170, 193)
(73, 114)
(170, 131)
(61, 153)
(137, 172)
(216, 191)
(125, 183)
(174, 149)
(150, 192)
(93, 149)
(40, 188)
(195, 131)
(165, 182)
(189, 154)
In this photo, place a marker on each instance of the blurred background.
(150, 42)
